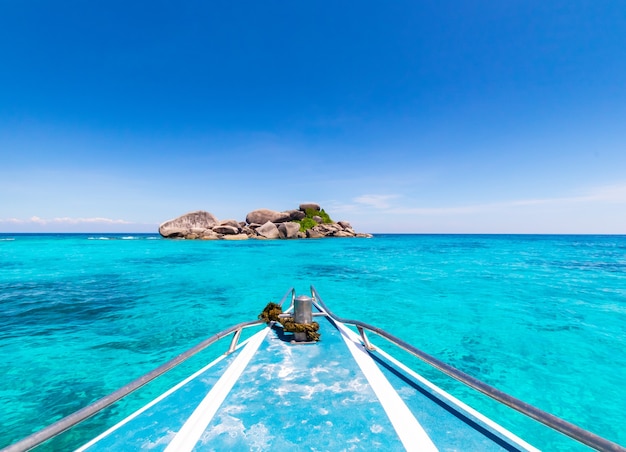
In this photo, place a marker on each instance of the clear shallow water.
(540, 317)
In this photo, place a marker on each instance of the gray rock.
(342, 234)
(318, 219)
(173, 233)
(296, 214)
(226, 230)
(233, 223)
(344, 224)
(313, 234)
(182, 226)
(288, 230)
(248, 231)
(262, 216)
(310, 205)
(364, 235)
(268, 231)
(236, 237)
(327, 229)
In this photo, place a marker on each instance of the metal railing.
(573, 431)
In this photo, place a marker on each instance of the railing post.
(233, 342)
(366, 341)
(302, 313)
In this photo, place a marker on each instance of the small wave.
(129, 237)
(98, 238)
(7, 239)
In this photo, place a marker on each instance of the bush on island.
(308, 222)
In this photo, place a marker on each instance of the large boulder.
(313, 234)
(183, 225)
(268, 231)
(327, 229)
(296, 215)
(233, 223)
(262, 216)
(310, 205)
(226, 229)
(288, 230)
(173, 233)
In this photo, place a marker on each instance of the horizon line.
(374, 233)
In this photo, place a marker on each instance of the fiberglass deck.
(325, 396)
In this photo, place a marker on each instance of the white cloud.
(608, 193)
(63, 220)
(72, 224)
(377, 201)
(599, 209)
(611, 194)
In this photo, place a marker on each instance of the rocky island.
(308, 221)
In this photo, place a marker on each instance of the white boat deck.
(331, 395)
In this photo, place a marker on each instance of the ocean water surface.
(540, 317)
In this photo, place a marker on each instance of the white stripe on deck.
(191, 431)
(411, 433)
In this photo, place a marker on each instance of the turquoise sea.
(540, 317)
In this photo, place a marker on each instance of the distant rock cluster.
(259, 224)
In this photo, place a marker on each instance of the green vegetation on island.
(308, 222)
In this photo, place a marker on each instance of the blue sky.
(407, 116)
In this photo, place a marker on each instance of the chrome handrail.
(571, 430)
